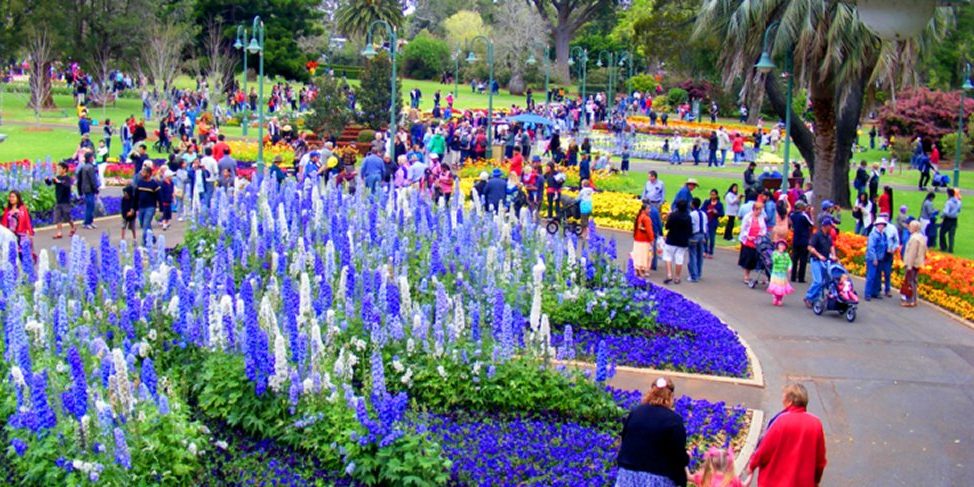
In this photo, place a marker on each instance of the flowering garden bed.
(364, 334)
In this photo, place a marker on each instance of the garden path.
(892, 388)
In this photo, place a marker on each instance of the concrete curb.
(751, 442)
(671, 373)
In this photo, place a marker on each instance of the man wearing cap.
(686, 192)
(875, 253)
(886, 264)
(821, 249)
(276, 170)
(495, 190)
(654, 193)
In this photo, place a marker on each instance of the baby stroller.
(831, 299)
(940, 180)
(765, 248)
(569, 217)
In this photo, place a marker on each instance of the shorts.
(674, 254)
(128, 224)
(62, 213)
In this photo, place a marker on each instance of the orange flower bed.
(945, 280)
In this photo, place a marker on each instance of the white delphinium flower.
(329, 261)
(570, 260)
(305, 311)
(307, 386)
(152, 335)
(359, 344)
(537, 273)
(281, 373)
(441, 371)
(545, 336)
(217, 340)
(172, 309)
(351, 242)
(37, 331)
(266, 316)
(407, 378)
(398, 366)
(18, 376)
(459, 322)
(281, 223)
(43, 267)
(253, 231)
(123, 391)
(342, 283)
(405, 300)
(61, 368)
(192, 449)
(332, 327)
(275, 258)
(410, 346)
(159, 278)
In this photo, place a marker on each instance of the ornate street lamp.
(547, 71)
(369, 52)
(583, 71)
(239, 45)
(965, 88)
(256, 46)
(610, 94)
(766, 65)
(897, 20)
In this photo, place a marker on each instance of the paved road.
(893, 389)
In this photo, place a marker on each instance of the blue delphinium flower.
(163, 404)
(122, 456)
(44, 417)
(149, 377)
(20, 446)
(601, 363)
(75, 399)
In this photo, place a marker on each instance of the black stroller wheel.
(818, 307)
(752, 283)
(552, 227)
(577, 229)
(850, 314)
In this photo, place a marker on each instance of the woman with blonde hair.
(654, 442)
(914, 257)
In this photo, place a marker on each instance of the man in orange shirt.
(792, 451)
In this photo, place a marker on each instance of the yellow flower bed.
(247, 151)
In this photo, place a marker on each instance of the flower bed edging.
(751, 442)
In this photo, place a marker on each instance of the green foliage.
(201, 242)
(366, 135)
(374, 92)
(330, 111)
(520, 385)
(943, 65)
(949, 147)
(413, 460)
(355, 17)
(662, 105)
(425, 57)
(610, 310)
(285, 21)
(662, 31)
(677, 96)
(39, 198)
(643, 82)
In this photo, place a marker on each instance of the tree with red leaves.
(923, 112)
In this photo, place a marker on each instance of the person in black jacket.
(128, 210)
(654, 441)
(678, 231)
(802, 225)
(62, 195)
(147, 190)
(88, 188)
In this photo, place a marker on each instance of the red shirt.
(219, 149)
(738, 144)
(792, 452)
(517, 163)
(644, 229)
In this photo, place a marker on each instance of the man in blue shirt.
(948, 227)
(372, 169)
(875, 253)
(686, 192)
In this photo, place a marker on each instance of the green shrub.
(661, 104)
(677, 96)
(949, 147)
(645, 83)
(366, 135)
(425, 57)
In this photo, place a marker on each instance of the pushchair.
(569, 217)
(831, 300)
(940, 180)
(765, 248)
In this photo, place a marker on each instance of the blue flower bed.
(113, 206)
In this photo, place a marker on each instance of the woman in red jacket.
(17, 218)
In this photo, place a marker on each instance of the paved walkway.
(893, 389)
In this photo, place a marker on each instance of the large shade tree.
(355, 16)
(564, 18)
(835, 58)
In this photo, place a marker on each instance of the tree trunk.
(516, 85)
(755, 100)
(823, 104)
(846, 133)
(563, 36)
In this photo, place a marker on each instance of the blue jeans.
(723, 157)
(372, 182)
(89, 208)
(712, 162)
(695, 252)
(145, 221)
(886, 272)
(818, 280)
(126, 149)
(711, 239)
(872, 279)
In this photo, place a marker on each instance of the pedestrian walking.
(16, 218)
(875, 252)
(698, 240)
(62, 196)
(801, 224)
(821, 249)
(715, 211)
(732, 205)
(147, 191)
(753, 228)
(678, 231)
(914, 257)
(129, 205)
(792, 451)
(948, 226)
(643, 247)
(88, 189)
(781, 264)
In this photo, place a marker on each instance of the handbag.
(99, 207)
(906, 288)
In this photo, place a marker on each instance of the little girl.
(846, 292)
(779, 287)
(717, 471)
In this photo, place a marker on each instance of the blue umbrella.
(530, 118)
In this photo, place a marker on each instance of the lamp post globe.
(896, 20)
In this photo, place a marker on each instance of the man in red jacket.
(792, 451)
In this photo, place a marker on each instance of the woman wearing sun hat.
(653, 452)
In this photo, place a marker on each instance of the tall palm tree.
(355, 16)
(835, 58)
